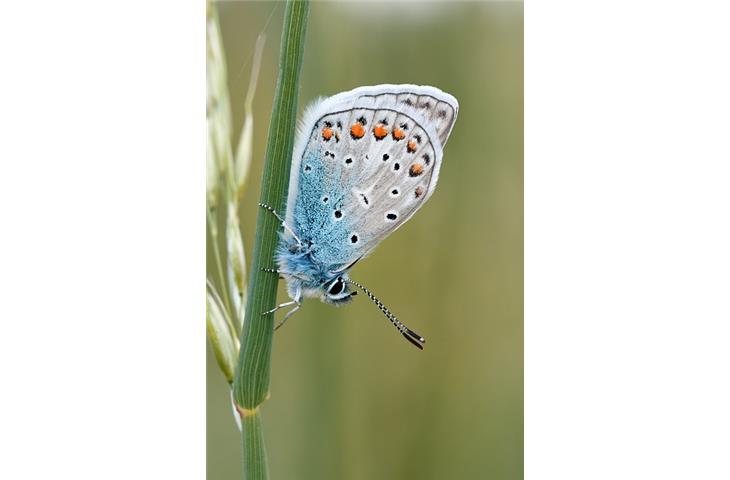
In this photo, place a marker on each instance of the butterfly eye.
(336, 287)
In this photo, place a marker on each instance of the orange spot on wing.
(357, 130)
(380, 131)
(326, 133)
(398, 134)
(411, 146)
(415, 170)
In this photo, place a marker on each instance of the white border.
(102, 350)
(627, 246)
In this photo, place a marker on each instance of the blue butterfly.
(363, 163)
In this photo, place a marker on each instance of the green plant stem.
(254, 448)
(253, 370)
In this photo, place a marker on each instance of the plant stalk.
(254, 448)
(253, 370)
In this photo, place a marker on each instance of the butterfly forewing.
(371, 159)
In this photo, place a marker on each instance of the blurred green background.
(350, 398)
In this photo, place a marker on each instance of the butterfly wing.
(364, 163)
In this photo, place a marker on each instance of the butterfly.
(364, 162)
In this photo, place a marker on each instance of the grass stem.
(255, 465)
(253, 370)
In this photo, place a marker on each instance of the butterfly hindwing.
(365, 162)
(434, 106)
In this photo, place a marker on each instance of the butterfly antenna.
(409, 334)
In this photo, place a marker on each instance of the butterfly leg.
(289, 314)
(281, 305)
(296, 301)
(283, 223)
(281, 274)
(273, 270)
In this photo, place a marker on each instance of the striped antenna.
(409, 334)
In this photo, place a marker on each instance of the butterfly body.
(306, 275)
(363, 163)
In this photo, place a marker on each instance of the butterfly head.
(337, 291)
